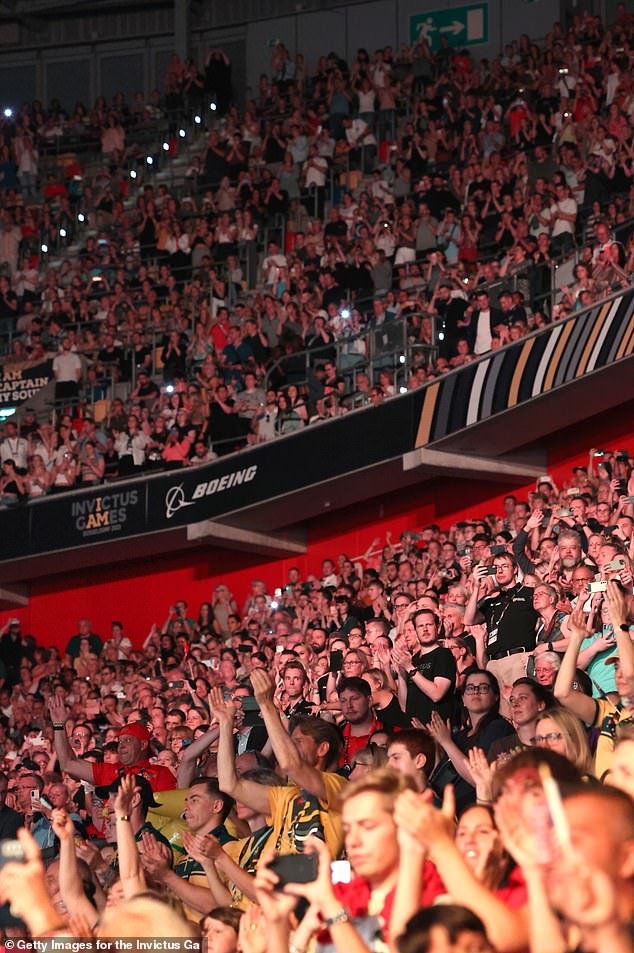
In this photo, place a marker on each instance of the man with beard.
(569, 549)
(360, 722)
(570, 555)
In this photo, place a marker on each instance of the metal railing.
(239, 441)
(389, 346)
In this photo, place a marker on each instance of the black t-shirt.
(439, 663)
(6, 311)
(222, 426)
(301, 709)
(510, 620)
(74, 644)
(392, 716)
(10, 823)
(497, 732)
(147, 393)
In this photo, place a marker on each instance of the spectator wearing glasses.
(546, 667)
(482, 727)
(548, 634)
(560, 731)
(510, 620)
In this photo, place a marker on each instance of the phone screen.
(336, 661)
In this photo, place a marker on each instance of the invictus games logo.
(105, 514)
(175, 498)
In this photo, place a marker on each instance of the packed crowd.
(406, 205)
(372, 755)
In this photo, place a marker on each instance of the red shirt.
(515, 893)
(354, 743)
(219, 335)
(159, 777)
(355, 896)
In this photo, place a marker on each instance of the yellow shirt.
(295, 814)
(167, 818)
(190, 870)
(246, 854)
(607, 718)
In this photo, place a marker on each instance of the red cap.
(137, 730)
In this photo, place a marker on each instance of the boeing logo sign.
(176, 500)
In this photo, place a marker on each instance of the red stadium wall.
(141, 596)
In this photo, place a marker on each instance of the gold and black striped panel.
(524, 370)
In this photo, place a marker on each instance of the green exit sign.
(462, 26)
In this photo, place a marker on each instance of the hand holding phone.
(294, 869)
(599, 585)
(481, 571)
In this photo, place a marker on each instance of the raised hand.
(439, 729)
(516, 835)
(79, 926)
(430, 826)
(482, 773)
(253, 933)
(263, 686)
(616, 605)
(534, 520)
(401, 657)
(23, 887)
(57, 710)
(576, 621)
(62, 824)
(221, 710)
(125, 795)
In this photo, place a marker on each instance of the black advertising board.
(130, 508)
(21, 381)
(565, 352)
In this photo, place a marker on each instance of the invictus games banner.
(21, 381)
(106, 513)
(167, 501)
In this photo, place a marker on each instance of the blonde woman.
(562, 732)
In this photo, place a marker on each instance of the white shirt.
(271, 267)
(14, 448)
(65, 366)
(266, 424)
(379, 73)
(366, 101)
(316, 172)
(325, 147)
(611, 86)
(355, 134)
(598, 249)
(381, 190)
(568, 207)
(135, 445)
(483, 333)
